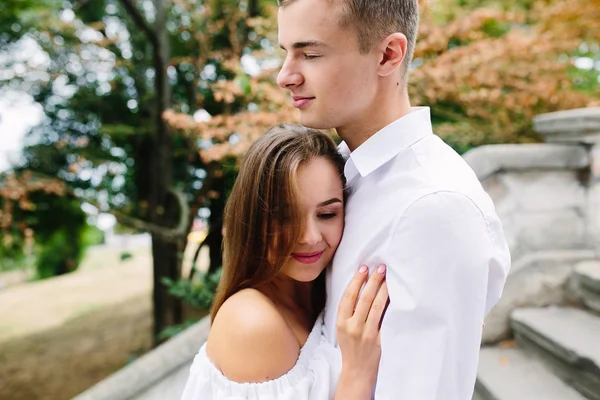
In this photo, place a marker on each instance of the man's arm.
(446, 268)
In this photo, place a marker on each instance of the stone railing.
(548, 198)
(536, 188)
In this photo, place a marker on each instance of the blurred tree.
(115, 74)
(488, 67)
(18, 200)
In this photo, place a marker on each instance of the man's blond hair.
(373, 20)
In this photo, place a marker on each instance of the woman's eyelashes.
(326, 216)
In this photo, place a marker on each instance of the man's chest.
(372, 212)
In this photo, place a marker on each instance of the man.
(415, 205)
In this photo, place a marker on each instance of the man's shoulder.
(442, 170)
(441, 160)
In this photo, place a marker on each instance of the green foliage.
(173, 330)
(13, 254)
(18, 16)
(62, 234)
(198, 293)
(92, 236)
(587, 80)
(51, 234)
(496, 28)
(60, 253)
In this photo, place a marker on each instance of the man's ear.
(393, 51)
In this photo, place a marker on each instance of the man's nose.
(288, 76)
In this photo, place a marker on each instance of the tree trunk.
(165, 254)
(215, 241)
(253, 8)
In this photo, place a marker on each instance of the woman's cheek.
(338, 230)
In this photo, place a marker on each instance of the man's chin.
(311, 121)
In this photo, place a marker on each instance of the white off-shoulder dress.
(314, 376)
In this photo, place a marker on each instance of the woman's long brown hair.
(263, 218)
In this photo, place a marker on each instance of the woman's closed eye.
(326, 215)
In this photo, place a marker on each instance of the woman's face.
(322, 198)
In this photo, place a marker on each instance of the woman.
(283, 222)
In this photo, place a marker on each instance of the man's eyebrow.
(328, 202)
(302, 45)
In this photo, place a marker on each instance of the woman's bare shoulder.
(250, 341)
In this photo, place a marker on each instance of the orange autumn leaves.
(485, 74)
(14, 193)
(488, 73)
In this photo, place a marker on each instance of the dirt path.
(59, 363)
(62, 335)
(102, 281)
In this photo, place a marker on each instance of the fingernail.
(362, 269)
(381, 269)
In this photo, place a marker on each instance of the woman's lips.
(307, 258)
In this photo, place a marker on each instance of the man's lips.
(307, 258)
(299, 102)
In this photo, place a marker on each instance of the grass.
(60, 336)
(59, 363)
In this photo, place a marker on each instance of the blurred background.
(121, 126)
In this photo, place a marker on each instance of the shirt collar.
(387, 143)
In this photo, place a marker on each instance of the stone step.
(587, 276)
(567, 339)
(512, 374)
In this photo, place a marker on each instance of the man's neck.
(376, 118)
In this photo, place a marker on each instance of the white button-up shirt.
(416, 206)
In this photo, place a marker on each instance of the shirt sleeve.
(447, 264)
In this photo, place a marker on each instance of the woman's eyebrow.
(328, 202)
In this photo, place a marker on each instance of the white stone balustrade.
(548, 197)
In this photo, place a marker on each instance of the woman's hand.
(358, 323)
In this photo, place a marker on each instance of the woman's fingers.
(346, 306)
(367, 296)
(377, 309)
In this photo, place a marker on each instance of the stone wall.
(538, 192)
(548, 198)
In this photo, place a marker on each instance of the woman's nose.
(311, 234)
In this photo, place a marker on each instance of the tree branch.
(169, 234)
(140, 21)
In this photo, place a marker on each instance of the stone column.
(580, 127)
(594, 198)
